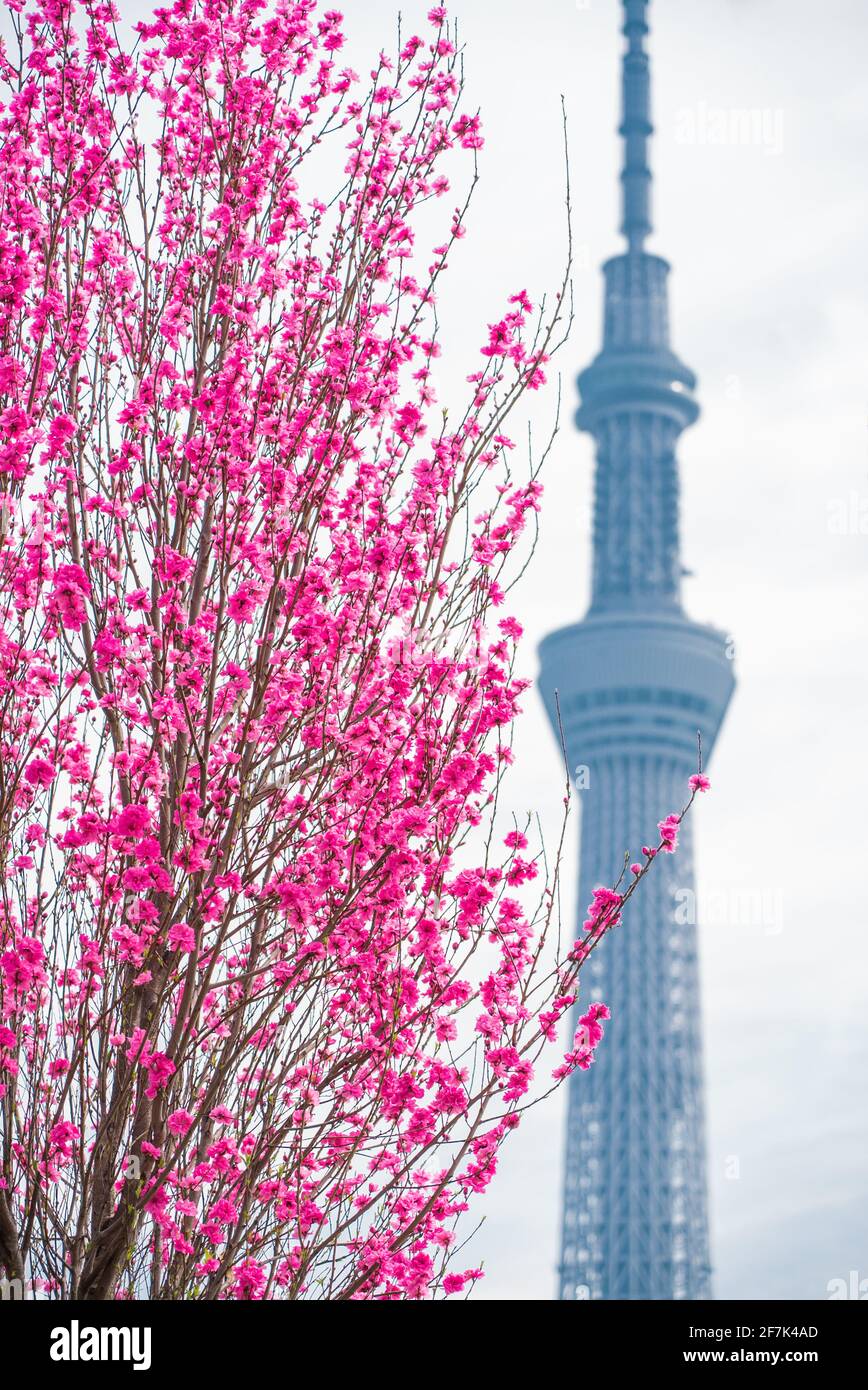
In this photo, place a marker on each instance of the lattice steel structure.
(635, 680)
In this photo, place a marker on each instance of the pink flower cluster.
(588, 1034)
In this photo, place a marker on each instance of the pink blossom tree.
(271, 991)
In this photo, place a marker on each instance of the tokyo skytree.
(635, 680)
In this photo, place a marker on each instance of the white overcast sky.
(767, 241)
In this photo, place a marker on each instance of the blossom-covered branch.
(267, 1009)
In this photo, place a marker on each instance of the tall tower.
(636, 679)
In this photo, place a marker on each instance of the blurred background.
(764, 221)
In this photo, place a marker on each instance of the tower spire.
(636, 127)
(636, 396)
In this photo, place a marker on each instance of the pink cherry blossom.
(180, 1122)
(182, 937)
(40, 772)
(133, 821)
(668, 829)
(274, 992)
